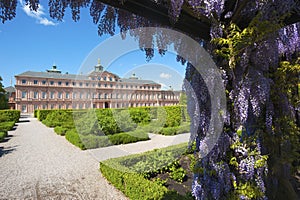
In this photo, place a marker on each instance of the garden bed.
(159, 174)
(94, 128)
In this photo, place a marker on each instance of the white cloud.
(165, 75)
(38, 15)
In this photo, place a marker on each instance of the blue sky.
(34, 41)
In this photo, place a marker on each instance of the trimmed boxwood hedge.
(91, 124)
(6, 126)
(9, 115)
(134, 185)
(3, 134)
(94, 141)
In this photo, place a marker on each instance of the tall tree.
(3, 97)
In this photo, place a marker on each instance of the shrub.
(57, 118)
(184, 128)
(6, 126)
(42, 114)
(94, 141)
(9, 115)
(124, 121)
(129, 137)
(178, 174)
(3, 134)
(107, 122)
(168, 131)
(87, 123)
(140, 115)
(60, 130)
(134, 185)
(73, 137)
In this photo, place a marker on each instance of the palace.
(99, 89)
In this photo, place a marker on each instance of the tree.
(256, 45)
(3, 97)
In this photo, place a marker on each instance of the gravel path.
(38, 164)
(35, 163)
(157, 141)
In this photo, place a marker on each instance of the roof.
(138, 81)
(78, 77)
(10, 89)
(52, 75)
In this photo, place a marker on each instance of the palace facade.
(99, 89)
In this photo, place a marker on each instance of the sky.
(33, 41)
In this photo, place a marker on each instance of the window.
(59, 82)
(121, 86)
(126, 86)
(36, 107)
(59, 106)
(111, 85)
(80, 95)
(35, 82)
(44, 106)
(67, 95)
(67, 83)
(131, 86)
(99, 96)
(59, 95)
(44, 82)
(52, 106)
(117, 86)
(94, 84)
(51, 82)
(99, 85)
(87, 95)
(105, 85)
(74, 95)
(44, 95)
(23, 81)
(24, 94)
(24, 108)
(110, 78)
(86, 84)
(105, 96)
(67, 106)
(73, 83)
(80, 84)
(51, 95)
(104, 78)
(35, 95)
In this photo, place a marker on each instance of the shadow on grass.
(4, 151)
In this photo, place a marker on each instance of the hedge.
(60, 130)
(134, 185)
(95, 141)
(9, 115)
(42, 114)
(58, 118)
(6, 126)
(73, 137)
(3, 134)
(171, 115)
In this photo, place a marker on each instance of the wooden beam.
(158, 13)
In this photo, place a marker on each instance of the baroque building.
(99, 89)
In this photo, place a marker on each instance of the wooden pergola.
(188, 22)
